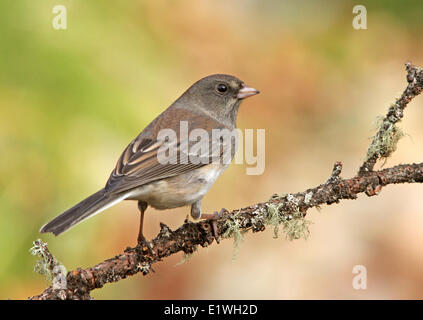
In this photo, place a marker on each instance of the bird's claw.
(212, 218)
(145, 246)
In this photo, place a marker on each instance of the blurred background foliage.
(71, 100)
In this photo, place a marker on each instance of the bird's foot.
(212, 218)
(145, 245)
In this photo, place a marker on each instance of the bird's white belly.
(180, 190)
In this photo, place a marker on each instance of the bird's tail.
(92, 205)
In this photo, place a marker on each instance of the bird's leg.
(142, 206)
(197, 214)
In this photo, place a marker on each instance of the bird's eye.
(222, 88)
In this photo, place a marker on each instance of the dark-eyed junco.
(141, 174)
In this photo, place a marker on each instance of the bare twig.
(288, 210)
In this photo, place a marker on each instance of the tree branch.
(384, 142)
(287, 211)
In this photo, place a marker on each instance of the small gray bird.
(210, 103)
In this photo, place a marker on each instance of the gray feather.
(80, 212)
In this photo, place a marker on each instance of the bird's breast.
(180, 190)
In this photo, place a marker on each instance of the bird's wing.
(140, 162)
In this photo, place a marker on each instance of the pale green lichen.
(297, 227)
(285, 214)
(273, 218)
(233, 230)
(294, 225)
(385, 141)
(48, 265)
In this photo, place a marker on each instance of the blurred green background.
(71, 100)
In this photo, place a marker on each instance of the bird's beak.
(246, 92)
